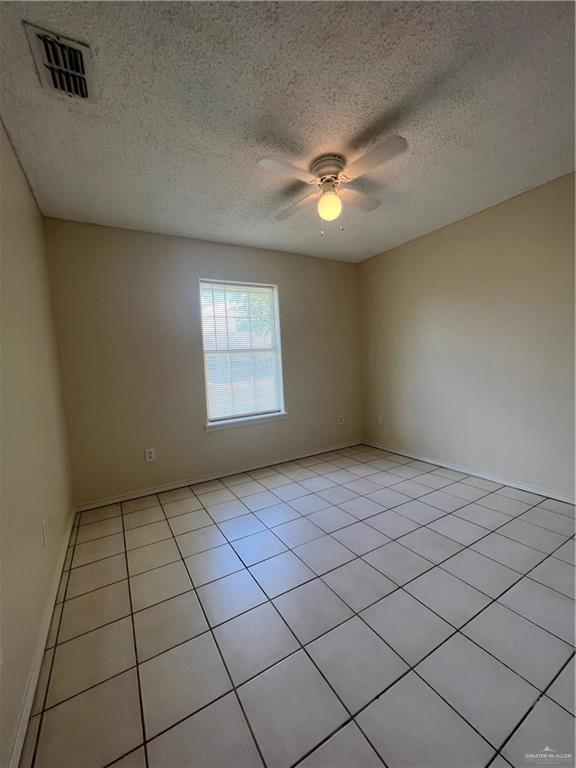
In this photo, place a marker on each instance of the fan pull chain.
(323, 231)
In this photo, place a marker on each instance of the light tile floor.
(350, 609)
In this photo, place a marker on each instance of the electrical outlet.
(340, 419)
(380, 419)
(44, 529)
(150, 455)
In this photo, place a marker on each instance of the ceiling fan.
(329, 173)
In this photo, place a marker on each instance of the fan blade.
(286, 169)
(380, 154)
(287, 212)
(359, 199)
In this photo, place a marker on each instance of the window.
(242, 360)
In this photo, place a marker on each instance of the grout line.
(214, 640)
(397, 588)
(396, 509)
(530, 710)
(470, 472)
(142, 725)
(93, 685)
(413, 668)
(304, 648)
(54, 647)
(121, 757)
(355, 613)
(398, 540)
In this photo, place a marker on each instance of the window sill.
(247, 421)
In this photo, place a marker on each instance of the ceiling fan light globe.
(329, 206)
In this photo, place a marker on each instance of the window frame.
(262, 417)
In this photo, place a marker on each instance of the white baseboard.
(212, 476)
(39, 652)
(469, 471)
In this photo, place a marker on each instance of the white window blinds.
(242, 360)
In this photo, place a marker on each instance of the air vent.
(63, 65)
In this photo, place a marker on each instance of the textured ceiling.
(191, 95)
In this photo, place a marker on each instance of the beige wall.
(128, 322)
(467, 350)
(463, 340)
(34, 482)
(469, 345)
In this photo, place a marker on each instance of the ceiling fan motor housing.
(327, 167)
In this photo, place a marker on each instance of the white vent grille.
(63, 65)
